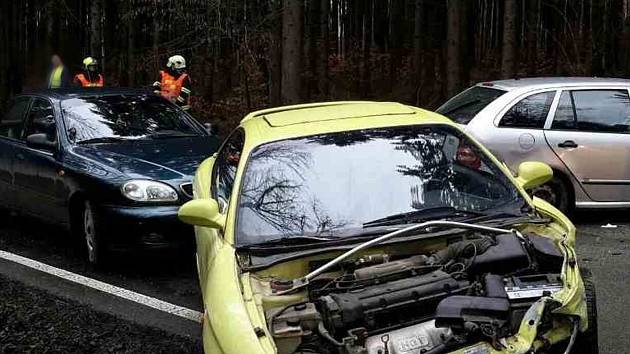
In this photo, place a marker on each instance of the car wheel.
(557, 193)
(587, 342)
(91, 232)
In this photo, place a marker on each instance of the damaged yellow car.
(379, 228)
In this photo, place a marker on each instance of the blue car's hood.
(162, 159)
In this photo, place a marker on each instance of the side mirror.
(532, 174)
(202, 212)
(40, 141)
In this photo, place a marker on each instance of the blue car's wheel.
(91, 232)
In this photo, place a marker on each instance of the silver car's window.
(594, 111)
(531, 112)
(333, 183)
(465, 106)
(565, 116)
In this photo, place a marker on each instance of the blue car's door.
(11, 127)
(37, 168)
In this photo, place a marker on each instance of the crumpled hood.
(161, 159)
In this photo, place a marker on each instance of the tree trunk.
(275, 59)
(156, 39)
(366, 47)
(532, 35)
(16, 63)
(5, 18)
(417, 39)
(292, 31)
(624, 45)
(324, 45)
(131, 60)
(508, 52)
(454, 43)
(95, 28)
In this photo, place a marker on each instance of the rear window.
(531, 112)
(465, 106)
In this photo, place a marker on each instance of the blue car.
(111, 165)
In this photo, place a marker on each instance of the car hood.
(164, 159)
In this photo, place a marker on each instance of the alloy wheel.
(89, 232)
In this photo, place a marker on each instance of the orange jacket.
(80, 78)
(170, 87)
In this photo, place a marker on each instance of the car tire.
(587, 342)
(92, 235)
(557, 193)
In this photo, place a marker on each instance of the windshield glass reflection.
(330, 183)
(124, 117)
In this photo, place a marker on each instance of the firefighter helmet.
(176, 62)
(90, 64)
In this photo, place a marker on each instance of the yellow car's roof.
(318, 118)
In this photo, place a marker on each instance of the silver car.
(579, 126)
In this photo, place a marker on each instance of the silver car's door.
(518, 129)
(590, 133)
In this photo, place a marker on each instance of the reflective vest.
(55, 77)
(87, 83)
(171, 88)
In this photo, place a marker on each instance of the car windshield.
(330, 184)
(122, 117)
(465, 106)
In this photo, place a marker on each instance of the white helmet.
(176, 62)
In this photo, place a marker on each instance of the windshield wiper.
(171, 134)
(421, 215)
(291, 241)
(102, 140)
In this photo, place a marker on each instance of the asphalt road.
(606, 251)
(168, 277)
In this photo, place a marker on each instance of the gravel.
(33, 321)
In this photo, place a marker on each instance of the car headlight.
(149, 191)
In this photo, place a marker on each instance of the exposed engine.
(475, 289)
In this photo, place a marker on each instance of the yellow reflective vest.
(56, 77)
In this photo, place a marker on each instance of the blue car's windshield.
(121, 117)
(331, 184)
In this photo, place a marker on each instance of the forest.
(245, 55)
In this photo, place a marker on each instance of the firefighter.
(174, 82)
(59, 76)
(90, 77)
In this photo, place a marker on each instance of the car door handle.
(568, 144)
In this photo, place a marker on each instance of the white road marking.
(152, 302)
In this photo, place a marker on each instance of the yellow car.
(380, 228)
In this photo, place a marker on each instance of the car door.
(590, 133)
(36, 166)
(223, 176)
(518, 135)
(11, 126)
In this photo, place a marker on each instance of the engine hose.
(456, 250)
(273, 317)
(573, 336)
(324, 333)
